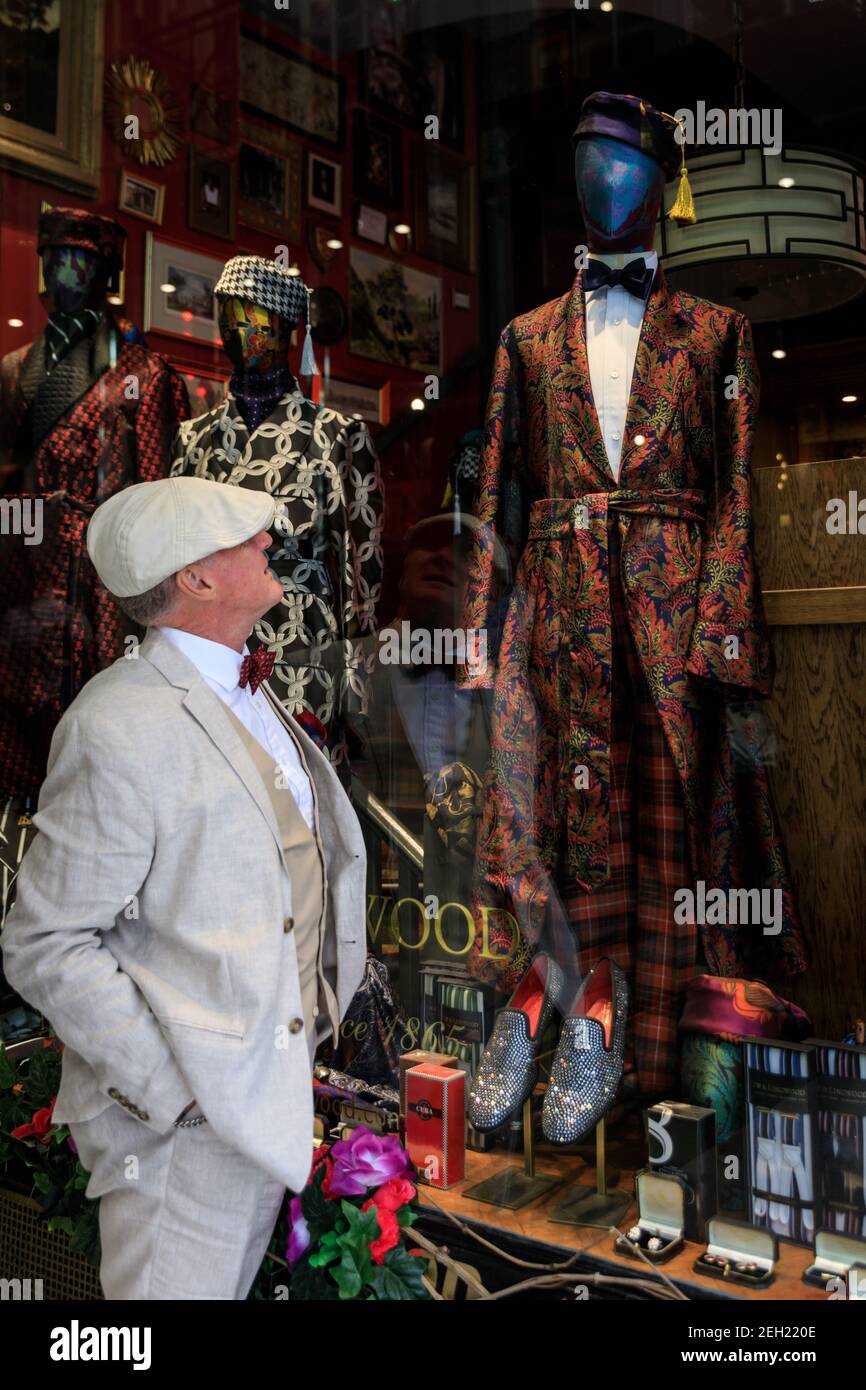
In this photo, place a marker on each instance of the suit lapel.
(209, 711)
(655, 382)
(569, 377)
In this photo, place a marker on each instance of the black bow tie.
(636, 277)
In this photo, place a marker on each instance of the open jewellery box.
(661, 1207)
(739, 1252)
(835, 1255)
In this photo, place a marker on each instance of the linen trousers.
(182, 1216)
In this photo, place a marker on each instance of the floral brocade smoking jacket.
(683, 513)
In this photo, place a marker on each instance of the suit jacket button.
(114, 1093)
(288, 924)
(296, 1025)
(142, 1115)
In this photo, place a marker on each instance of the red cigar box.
(436, 1124)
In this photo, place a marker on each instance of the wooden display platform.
(578, 1165)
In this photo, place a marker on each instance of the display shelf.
(533, 1223)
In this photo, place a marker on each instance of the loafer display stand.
(513, 1187)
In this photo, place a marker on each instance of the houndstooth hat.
(265, 283)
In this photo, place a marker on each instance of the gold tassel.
(683, 210)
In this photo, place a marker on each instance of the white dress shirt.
(220, 666)
(613, 324)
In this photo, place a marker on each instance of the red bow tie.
(256, 667)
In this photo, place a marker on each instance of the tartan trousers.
(630, 919)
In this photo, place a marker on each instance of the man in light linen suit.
(190, 916)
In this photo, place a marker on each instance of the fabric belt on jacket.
(586, 653)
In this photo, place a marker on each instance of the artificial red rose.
(326, 1181)
(394, 1193)
(42, 1120)
(390, 1232)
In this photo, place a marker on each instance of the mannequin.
(616, 465)
(72, 431)
(323, 467)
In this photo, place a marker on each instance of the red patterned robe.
(676, 528)
(58, 626)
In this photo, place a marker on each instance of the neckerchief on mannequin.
(258, 393)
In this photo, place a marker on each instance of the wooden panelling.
(815, 600)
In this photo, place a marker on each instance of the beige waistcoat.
(304, 856)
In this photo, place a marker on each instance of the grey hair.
(152, 604)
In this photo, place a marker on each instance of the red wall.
(197, 41)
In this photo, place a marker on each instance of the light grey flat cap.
(148, 531)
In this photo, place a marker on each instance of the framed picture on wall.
(444, 216)
(438, 62)
(210, 115)
(377, 161)
(211, 201)
(280, 84)
(205, 389)
(140, 198)
(358, 399)
(269, 189)
(324, 184)
(395, 312)
(51, 111)
(178, 291)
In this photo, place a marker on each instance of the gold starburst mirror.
(141, 112)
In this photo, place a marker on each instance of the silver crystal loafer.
(587, 1068)
(508, 1069)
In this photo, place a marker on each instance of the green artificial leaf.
(406, 1270)
(319, 1212)
(43, 1182)
(309, 1283)
(61, 1223)
(8, 1072)
(347, 1275)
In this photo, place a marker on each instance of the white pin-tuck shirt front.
(613, 323)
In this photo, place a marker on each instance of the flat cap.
(149, 531)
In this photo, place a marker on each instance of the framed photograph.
(358, 399)
(206, 390)
(211, 202)
(438, 62)
(270, 189)
(140, 198)
(395, 312)
(444, 209)
(178, 292)
(51, 112)
(371, 224)
(377, 161)
(210, 115)
(387, 79)
(286, 88)
(324, 184)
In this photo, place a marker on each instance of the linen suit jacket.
(150, 918)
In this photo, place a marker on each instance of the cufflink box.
(661, 1203)
(838, 1256)
(436, 1124)
(739, 1252)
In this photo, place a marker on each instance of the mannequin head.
(255, 339)
(620, 191)
(75, 277)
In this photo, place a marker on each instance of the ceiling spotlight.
(334, 244)
(16, 323)
(606, 6)
(787, 182)
(167, 289)
(402, 228)
(849, 400)
(640, 439)
(417, 404)
(779, 353)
